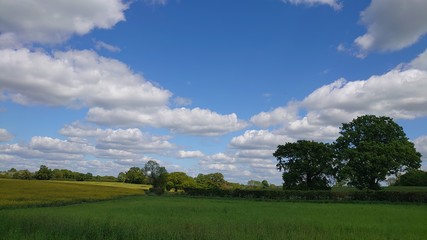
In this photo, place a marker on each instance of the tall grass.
(196, 218)
(19, 193)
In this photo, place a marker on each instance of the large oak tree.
(306, 165)
(370, 148)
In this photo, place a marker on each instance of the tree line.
(368, 150)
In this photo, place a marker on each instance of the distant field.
(49, 193)
(170, 218)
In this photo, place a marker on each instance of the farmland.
(23, 193)
(173, 217)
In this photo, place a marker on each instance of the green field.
(22, 193)
(175, 217)
(196, 218)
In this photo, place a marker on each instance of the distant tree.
(179, 181)
(157, 175)
(22, 174)
(305, 164)
(254, 184)
(212, 180)
(370, 148)
(412, 178)
(44, 173)
(121, 177)
(135, 175)
(265, 184)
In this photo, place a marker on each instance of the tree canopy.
(305, 164)
(370, 148)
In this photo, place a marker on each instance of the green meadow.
(176, 217)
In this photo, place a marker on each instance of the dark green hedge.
(324, 195)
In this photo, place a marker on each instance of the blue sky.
(202, 86)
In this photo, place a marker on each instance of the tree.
(265, 184)
(412, 178)
(135, 175)
(305, 164)
(121, 177)
(179, 181)
(157, 175)
(212, 180)
(44, 173)
(254, 184)
(371, 148)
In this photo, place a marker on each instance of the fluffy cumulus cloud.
(74, 79)
(112, 92)
(335, 4)
(250, 157)
(258, 139)
(399, 93)
(118, 142)
(5, 135)
(39, 21)
(195, 121)
(190, 154)
(277, 116)
(393, 24)
(86, 148)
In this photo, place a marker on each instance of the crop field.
(177, 217)
(23, 193)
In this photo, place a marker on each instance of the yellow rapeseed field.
(19, 193)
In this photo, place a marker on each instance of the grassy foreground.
(19, 193)
(171, 218)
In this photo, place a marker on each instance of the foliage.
(179, 181)
(135, 175)
(157, 175)
(412, 178)
(22, 174)
(44, 173)
(370, 148)
(305, 164)
(211, 180)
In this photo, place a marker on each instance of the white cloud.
(47, 22)
(195, 121)
(115, 95)
(278, 116)
(258, 139)
(393, 24)
(102, 45)
(399, 93)
(119, 142)
(190, 154)
(335, 4)
(421, 146)
(74, 79)
(53, 145)
(5, 135)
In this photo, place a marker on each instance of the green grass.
(170, 218)
(24, 193)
